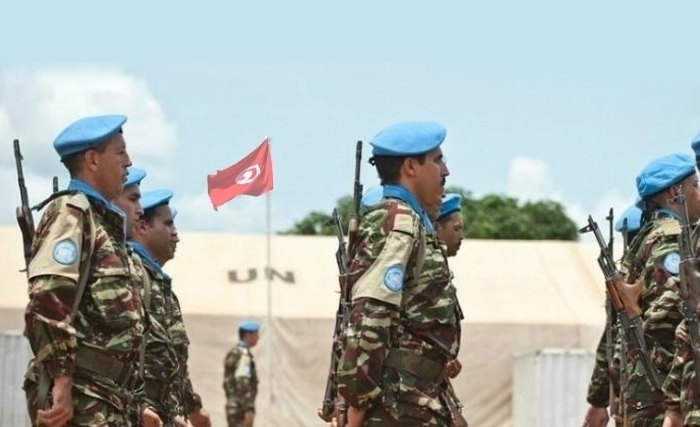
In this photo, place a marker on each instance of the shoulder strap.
(85, 266)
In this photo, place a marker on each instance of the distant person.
(241, 377)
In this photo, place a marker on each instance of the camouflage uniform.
(653, 259)
(160, 361)
(100, 349)
(401, 332)
(188, 400)
(240, 384)
(604, 373)
(681, 388)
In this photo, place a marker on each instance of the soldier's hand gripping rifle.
(625, 301)
(333, 403)
(689, 282)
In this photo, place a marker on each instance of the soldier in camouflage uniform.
(681, 387)
(604, 373)
(241, 377)
(653, 259)
(129, 202)
(167, 387)
(89, 363)
(404, 321)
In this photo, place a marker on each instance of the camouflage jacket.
(189, 400)
(160, 361)
(110, 318)
(681, 389)
(404, 313)
(654, 256)
(240, 381)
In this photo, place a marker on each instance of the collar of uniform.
(668, 213)
(147, 258)
(400, 192)
(242, 344)
(83, 187)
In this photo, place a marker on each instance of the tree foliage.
(492, 216)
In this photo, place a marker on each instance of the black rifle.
(690, 282)
(624, 298)
(333, 402)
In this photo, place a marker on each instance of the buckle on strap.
(416, 364)
(105, 365)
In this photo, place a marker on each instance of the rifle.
(55, 184)
(25, 219)
(334, 403)
(610, 320)
(690, 282)
(624, 298)
(625, 237)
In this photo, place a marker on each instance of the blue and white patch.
(65, 252)
(393, 278)
(672, 262)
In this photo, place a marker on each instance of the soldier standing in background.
(241, 377)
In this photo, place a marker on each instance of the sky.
(541, 99)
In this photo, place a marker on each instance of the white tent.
(517, 296)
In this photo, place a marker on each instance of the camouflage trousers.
(378, 416)
(87, 410)
(652, 416)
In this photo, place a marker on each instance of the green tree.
(492, 216)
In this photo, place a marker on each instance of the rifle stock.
(625, 300)
(334, 405)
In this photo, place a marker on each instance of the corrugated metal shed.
(550, 386)
(14, 356)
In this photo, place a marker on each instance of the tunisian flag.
(251, 176)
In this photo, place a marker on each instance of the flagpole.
(268, 277)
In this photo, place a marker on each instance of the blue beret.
(372, 196)
(154, 198)
(87, 132)
(695, 143)
(408, 138)
(135, 176)
(173, 212)
(633, 215)
(452, 202)
(664, 172)
(249, 326)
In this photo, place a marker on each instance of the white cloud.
(528, 179)
(36, 105)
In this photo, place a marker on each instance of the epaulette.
(398, 217)
(39, 206)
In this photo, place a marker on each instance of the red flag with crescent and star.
(251, 176)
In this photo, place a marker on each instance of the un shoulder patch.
(393, 278)
(65, 252)
(672, 262)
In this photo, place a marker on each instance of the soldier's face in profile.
(449, 230)
(430, 181)
(691, 191)
(158, 233)
(109, 164)
(129, 202)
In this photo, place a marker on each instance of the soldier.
(681, 387)
(167, 387)
(85, 346)
(598, 397)
(404, 323)
(448, 225)
(241, 378)
(653, 260)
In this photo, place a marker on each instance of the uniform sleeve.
(191, 400)
(367, 341)
(674, 380)
(53, 276)
(599, 386)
